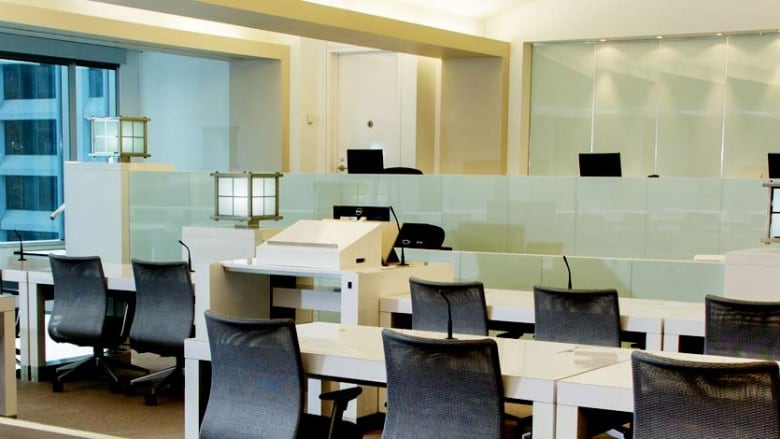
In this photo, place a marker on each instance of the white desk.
(242, 288)
(689, 323)
(636, 315)
(35, 282)
(608, 388)
(350, 353)
(7, 356)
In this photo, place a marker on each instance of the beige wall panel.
(471, 116)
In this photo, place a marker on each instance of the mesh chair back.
(577, 316)
(467, 301)
(693, 400)
(256, 379)
(740, 328)
(164, 307)
(442, 388)
(80, 295)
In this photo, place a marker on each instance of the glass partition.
(687, 107)
(669, 218)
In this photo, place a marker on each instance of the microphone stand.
(402, 263)
(21, 246)
(189, 258)
(565, 261)
(449, 315)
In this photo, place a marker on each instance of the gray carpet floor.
(87, 404)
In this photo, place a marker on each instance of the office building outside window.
(44, 111)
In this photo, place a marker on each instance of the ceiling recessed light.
(720, 34)
(659, 37)
(603, 40)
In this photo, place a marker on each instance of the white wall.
(548, 20)
(563, 20)
(188, 101)
(255, 116)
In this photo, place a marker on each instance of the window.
(30, 137)
(28, 81)
(43, 123)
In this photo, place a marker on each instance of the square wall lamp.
(246, 197)
(122, 137)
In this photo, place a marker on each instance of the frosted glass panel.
(752, 103)
(561, 107)
(690, 106)
(625, 104)
(611, 215)
(683, 217)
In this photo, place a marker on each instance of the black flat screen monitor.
(368, 213)
(600, 164)
(365, 161)
(773, 160)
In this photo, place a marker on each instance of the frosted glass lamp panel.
(690, 106)
(225, 206)
(112, 128)
(775, 199)
(225, 187)
(752, 100)
(241, 187)
(127, 145)
(625, 104)
(240, 206)
(774, 228)
(99, 140)
(138, 145)
(561, 107)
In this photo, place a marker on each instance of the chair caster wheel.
(150, 399)
(57, 386)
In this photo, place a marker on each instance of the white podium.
(345, 255)
(211, 244)
(752, 274)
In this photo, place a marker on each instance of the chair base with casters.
(97, 362)
(168, 378)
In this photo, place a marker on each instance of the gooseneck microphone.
(21, 246)
(189, 257)
(397, 224)
(449, 315)
(565, 261)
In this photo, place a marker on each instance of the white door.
(369, 105)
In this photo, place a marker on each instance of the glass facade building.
(44, 121)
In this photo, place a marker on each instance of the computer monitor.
(600, 164)
(773, 161)
(365, 161)
(373, 213)
(368, 213)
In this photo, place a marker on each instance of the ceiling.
(479, 9)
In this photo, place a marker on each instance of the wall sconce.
(121, 137)
(246, 196)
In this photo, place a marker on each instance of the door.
(369, 105)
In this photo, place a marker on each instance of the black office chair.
(402, 170)
(442, 388)
(469, 316)
(680, 399)
(79, 316)
(466, 302)
(257, 385)
(577, 316)
(741, 328)
(421, 235)
(164, 310)
(589, 317)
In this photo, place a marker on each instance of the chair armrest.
(342, 397)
